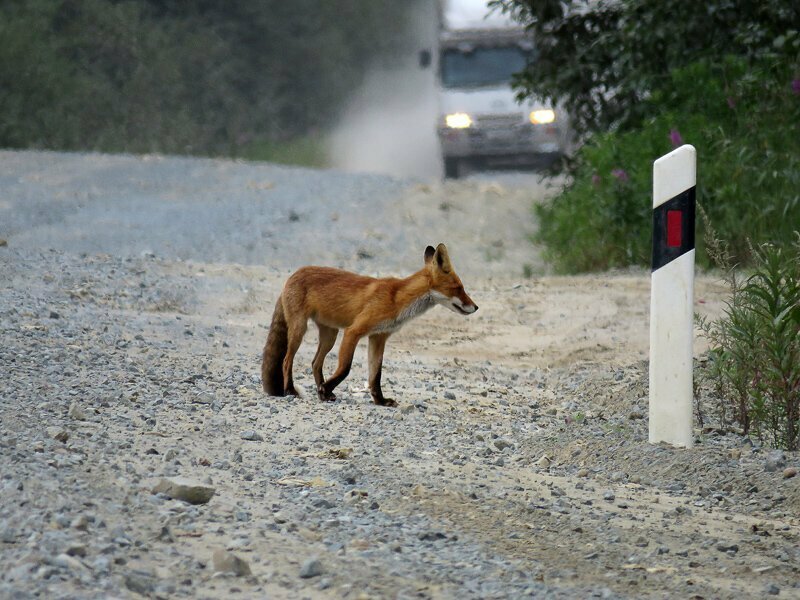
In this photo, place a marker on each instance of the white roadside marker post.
(672, 297)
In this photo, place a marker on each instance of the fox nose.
(476, 307)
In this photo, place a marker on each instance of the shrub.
(742, 118)
(754, 361)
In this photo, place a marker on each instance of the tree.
(601, 59)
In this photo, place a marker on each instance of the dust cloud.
(389, 125)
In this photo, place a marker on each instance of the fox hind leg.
(327, 338)
(297, 329)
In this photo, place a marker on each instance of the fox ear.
(443, 259)
(429, 252)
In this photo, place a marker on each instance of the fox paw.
(325, 396)
(385, 402)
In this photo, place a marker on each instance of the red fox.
(362, 306)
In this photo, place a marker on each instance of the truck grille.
(499, 121)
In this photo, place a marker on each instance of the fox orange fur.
(362, 306)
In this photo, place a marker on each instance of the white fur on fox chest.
(416, 308)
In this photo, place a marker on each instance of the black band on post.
(673, 228)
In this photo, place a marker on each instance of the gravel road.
(135, 294)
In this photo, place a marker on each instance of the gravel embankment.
(134, 298)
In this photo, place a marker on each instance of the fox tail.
(274, 352)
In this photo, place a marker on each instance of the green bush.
(742, 118)
(207, 78)
(754, 361)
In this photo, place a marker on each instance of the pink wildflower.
(620, 174)
(675, 138)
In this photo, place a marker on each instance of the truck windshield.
(481, 66)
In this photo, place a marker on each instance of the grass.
(308, 151)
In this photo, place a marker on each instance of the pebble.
(775, 460)
(252, 435)
(187, 490)
(58, 433)
(76, 412)
(544, 462)
(141, 582)
(227, 562)
(311, 568)
(789, 472)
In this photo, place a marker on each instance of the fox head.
(446, 288)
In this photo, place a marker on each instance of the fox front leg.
(377, 343)
(346, 351)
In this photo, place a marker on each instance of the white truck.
(481, 124)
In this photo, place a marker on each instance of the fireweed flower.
(796, 86)
(596, 180)
(620, 174)
(675, 138)
(731, 102)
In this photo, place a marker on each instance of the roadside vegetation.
(260, 80)
(753, 367)
(641, 77)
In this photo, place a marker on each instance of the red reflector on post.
(674, 228)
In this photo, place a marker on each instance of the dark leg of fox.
(377, 343)
(346, 351)
(296, 332)
(327, 338)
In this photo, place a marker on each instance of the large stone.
(180, 488)
(311, 568)
(227, 562)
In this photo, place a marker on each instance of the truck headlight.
(543, 116)
(458, 121)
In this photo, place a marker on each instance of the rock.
(165, 535)
(619, 476)
(81, 523)
(227, 562)
(775, 460)
(252, 435)
(311, 568)
(77, 550)
(76, 412)
(789, 472)
(544, 462)
(772, 589)
(583, 472)
(3, 243)
(64, 561)
(8, 535)
(58, 433)
(141, 582)
(609, 496)
(187, 490)
(54, 315)
(502, 444)
(448, 395)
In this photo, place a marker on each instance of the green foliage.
(305, 151)
(184, 77)
(754, 362)
(600, 60)
(743, 119)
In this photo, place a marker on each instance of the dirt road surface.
(135, 295)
